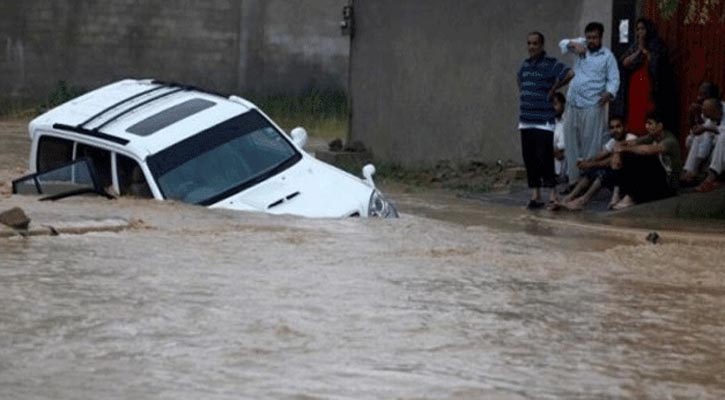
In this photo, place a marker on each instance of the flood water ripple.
(301, 309)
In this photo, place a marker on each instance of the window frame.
(41, 135)
(117, 180)
(39, 148)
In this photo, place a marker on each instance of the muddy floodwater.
(455, 300)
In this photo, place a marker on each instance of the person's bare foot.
(616, 198)
(574, 205)
(613, 202)
(626, 202)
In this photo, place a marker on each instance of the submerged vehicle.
(161, 140)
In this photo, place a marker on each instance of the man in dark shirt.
(539, 77)
(648, 168)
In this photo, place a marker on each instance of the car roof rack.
(176, 87)
(135, 106)
(189, 87)
(96, 131)
(126, 100)
(91, 132)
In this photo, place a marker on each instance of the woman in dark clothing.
(648, 77)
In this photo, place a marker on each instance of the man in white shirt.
(700, 141)
(595, 84)
(714, 112)
(596, 170)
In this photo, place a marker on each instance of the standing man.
(595, 85)
(539, 78)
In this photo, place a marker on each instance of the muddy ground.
(14, 150)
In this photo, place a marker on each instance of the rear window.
(169, 116)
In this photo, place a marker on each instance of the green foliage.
(387, 172)
(26, 107)
(320, 104)
(59, 94)
(668, 8)
(470, 177)
(323, 113)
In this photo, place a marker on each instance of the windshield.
(223, 160)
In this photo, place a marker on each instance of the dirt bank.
(13, 152)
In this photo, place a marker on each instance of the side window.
(101, 160)
(53, 152)
(131, 180)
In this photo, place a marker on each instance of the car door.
(101, 160)
(66, 167)
(131, 179)
(73, 178)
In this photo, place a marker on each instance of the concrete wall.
(242, 46)
(433, 80)
(293, 44)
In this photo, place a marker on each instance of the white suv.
(168, 141)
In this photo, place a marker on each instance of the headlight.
(380, 207)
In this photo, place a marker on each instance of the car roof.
(146, 115)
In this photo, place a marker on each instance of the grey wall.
(293, 44)
(433, 80)
(243, 46)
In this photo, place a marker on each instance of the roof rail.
(126, 100)
(91, 132)
(141, 104)
(95, 132)
(189, 87)
(177, 87)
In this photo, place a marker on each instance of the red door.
(694, 31)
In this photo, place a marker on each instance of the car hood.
(309, 188)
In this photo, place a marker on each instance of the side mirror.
(299, 136)
(368, 171)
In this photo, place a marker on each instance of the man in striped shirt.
(539, 77)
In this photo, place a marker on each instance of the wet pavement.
(458, 299)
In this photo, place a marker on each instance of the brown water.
(209, 304)
(481, 302)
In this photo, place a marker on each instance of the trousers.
(584, 134)
(643, 178)
(537, 148)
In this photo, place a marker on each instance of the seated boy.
(648, 168)
(596, 172)
(717, 164)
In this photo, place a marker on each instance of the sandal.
(534, 205)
